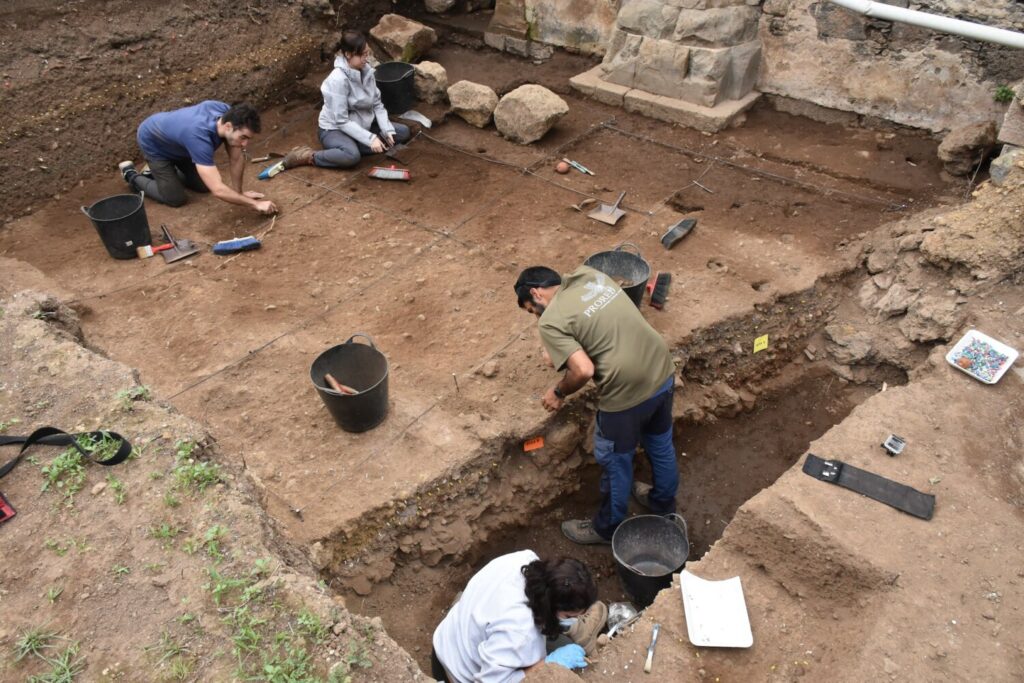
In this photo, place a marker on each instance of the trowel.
(180, 248)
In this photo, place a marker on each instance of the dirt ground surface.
(788, 244)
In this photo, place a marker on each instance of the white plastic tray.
(974, 335)
(716, 613)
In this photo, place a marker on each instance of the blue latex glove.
(570, 656)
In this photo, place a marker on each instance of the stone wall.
(527, 27)
(822, 53)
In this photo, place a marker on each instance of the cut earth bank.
(423, 267)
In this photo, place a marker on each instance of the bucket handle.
(142, 199)
(628, 244)
(681, 523)
(366, 336)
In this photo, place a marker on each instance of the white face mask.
(567, 624)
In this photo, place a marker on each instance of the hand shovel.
(609, 213)
(181, 249)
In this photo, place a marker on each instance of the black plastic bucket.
(122, 224)
(648, 550)
(629, 270)
(362, 368)
(396, 83)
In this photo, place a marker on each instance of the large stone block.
(744, 67)
(591, 84)
(651, 18)
(473, 102)
(674, 110)
(404, 40)
(620, 67)
(661, 67)
(431, 82)
(528, 112)
(720, 26)
(711, 63)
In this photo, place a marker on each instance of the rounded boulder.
(527, 113)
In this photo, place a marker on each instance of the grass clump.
(191, 473)
(1004, 94)
(127, 397)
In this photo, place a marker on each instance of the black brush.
(660, 292)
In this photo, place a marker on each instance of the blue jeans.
(616, 436)
(342, 151)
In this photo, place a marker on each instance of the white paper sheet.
(716, 613)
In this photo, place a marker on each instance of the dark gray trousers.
(341, 151)
(170, 178)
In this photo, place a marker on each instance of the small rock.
(366, 216)
(489, 369)
(98, 488)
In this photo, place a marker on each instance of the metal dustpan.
(609, 213)
(181, 249)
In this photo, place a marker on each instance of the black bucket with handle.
(395, 82)
(648, 550)
(362, 368)
(630, 271)
(122, 224)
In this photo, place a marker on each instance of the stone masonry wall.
(822, 53)
(699, 51)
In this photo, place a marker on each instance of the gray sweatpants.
(341, 151)
(170, 178)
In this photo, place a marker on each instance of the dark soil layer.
(78, 77)
(722, 464)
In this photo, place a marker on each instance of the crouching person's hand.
(570, 656)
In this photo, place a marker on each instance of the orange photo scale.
(533, 444)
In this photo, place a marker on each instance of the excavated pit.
(397, 518)
(723, 463)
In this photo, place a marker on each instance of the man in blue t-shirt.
(179, 147)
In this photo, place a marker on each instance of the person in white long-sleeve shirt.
(353, 121)
(499, 627)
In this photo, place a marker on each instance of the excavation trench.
(406, 562)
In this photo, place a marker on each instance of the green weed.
(117, 488)
(288, 664)
(190, 546)
(63, 668)
(101, 449)
(156, 475)
(221, 584)
(1004, 94)
(53, 592)
(7, 424)
(312, 626)
(120, 571)
(192, 474)
(246, 636)
(32, 642)
(66, 473)
(127, 397)
(165, 533)
(186, 618)
(171, 501)
(212, 538)
(154, 567)
(55, 546)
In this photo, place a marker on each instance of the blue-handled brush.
(271, 171)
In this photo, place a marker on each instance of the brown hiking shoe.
(641, 493)
(582, 531)
(299, 156)
(588, 627)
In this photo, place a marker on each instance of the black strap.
(51, 436)
(899, 496)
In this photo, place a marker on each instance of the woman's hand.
(377, 145)
(391, 139)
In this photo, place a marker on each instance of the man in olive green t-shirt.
(591, 328)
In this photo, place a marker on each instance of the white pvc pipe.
(967, 29)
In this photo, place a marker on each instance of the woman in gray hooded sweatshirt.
(353, 121)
